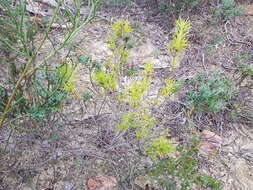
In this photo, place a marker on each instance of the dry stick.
(8, 140)
(203, 63)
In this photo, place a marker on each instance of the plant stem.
(29, 73)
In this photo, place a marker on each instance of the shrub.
(133, 113)
(177, 6)
(180, 172)
(34, 88)
(228, 10)
(210, 94)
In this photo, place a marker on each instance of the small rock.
(212, 137)
(68, 186)
(58, 152)
(209, 142)
(101, 182)
(143, 182)
(45, 144)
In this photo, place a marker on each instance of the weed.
(137, 91)
(245, 71)
(132, 111)
(128, 120)
(121, 29)
(141, 121)
(211, 94)
(180, 37)
(244, 66)
(84, 60)
(244, 58)
(86, 96)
